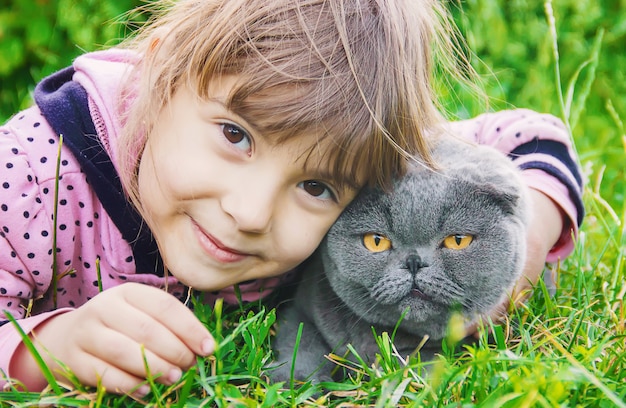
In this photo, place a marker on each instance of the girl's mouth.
(215, 249)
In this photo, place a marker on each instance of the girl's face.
(225, 203)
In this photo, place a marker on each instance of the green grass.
(562, 351)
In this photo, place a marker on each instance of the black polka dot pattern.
(28, 159)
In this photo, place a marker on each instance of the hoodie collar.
(65, 105)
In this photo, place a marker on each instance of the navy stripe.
(64, 104)
(552, 148)
(574, 190)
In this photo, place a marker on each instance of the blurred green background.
(515, 48)
(38, 37)
(511, 39)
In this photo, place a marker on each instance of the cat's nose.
(414, 263)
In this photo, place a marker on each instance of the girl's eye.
(457, 241)
(237, 136)
(317, 189)
(376, 242)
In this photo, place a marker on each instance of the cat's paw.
(283, 373)
(279, 373)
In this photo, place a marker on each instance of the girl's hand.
(544, 230)
(105, 341)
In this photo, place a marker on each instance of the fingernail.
(174, 375)
(142, 391)
(207, 346)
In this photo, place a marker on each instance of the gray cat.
(440, 241)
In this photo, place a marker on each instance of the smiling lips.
(215, 249)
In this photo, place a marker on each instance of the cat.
(447, 240)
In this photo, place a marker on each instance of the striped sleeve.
(540, 145)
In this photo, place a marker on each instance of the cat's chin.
(418, 313)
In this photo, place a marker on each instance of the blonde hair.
(356, 71)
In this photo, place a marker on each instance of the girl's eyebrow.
(222, 101)
(250, 125)
(337, 177)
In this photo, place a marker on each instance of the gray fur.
(345, 289)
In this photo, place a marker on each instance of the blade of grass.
(574, 110)
(188, 381)
(293, 361)
(55, 212)
(150, 378)
(549, 11)
(217, 353)
(98, 274)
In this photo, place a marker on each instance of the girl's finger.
(142, 328)
(96, 372)
(124, 354)
(173, 315)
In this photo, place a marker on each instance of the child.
(217, 148)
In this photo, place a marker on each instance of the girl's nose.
(251, 205)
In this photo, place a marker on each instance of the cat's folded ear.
(509, 197)
(489, 172)
(499, 183)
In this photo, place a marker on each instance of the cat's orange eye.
(376, 242)
(457, 241)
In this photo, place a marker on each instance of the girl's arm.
(540, 145)
(11, 340)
